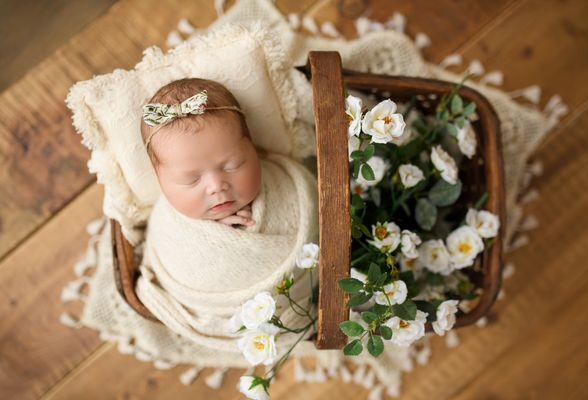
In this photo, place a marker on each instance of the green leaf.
(369, 151)
(444, 194)
(452, 129)
(460, 122)
(481, 201)
(356, 166)
(456, 104)
(353, 348)
(434, 279)
(406, 311)
(367, 172)
(351, 328)
(357, 201)
(425, 214)
(469, 109)
(386, 332)
(351, 285)
(358, 299)
(356, 154)
(375, 345)
(373, 273)
(369, 316)
(380, 309)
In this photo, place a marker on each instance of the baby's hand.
(241, 217)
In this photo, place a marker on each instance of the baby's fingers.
(236, 220)
(244, 213)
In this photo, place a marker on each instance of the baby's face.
(209, 174)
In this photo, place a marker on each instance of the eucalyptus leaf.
(358, 299)
(350, 285)
(469, 109)
(452, 129)
(406, 311)
(444, 194)
(369, 316)
(367, 172)
(375, 345)
(456, 104)
(353, 348)
(425, 214)
(386, 332)
(351, 328)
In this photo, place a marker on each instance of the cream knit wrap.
(196, 273)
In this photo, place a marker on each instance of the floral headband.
(159, 115)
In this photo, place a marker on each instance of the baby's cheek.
(250, 183)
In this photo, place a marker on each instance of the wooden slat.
(449, 24)
(333, 195)
(36, 348)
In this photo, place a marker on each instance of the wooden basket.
(483, 173)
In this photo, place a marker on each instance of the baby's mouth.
(223, 206)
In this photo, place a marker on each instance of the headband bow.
(160, 114)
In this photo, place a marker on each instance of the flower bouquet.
(416, 237)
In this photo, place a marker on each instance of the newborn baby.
(206, 164)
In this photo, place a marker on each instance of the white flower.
(386, 236)
(411, 264)
(359, 189)
(404, 333)
(356, 274)
(463, 245)
(259, 346)
(396, 292)
(445, 164)
(434, 256)
(445, 317)
(410, 175)
(308, 257)
(258, 310)
(409, 241)
(353, 111)
(466, 140)
(409, 133)
(484, 222)
(382, 122)
(379, 166)
(257, 393)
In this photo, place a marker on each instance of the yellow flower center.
(465, 247)
(387, 120)
(358, 190)
(404, 324)
(258, 345)
(381, 232)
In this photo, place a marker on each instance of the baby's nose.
(216, 184)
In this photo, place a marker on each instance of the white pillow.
(107, 110)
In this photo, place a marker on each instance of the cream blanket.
(196, 273)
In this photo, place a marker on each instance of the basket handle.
(333, 195)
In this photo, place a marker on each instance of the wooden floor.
(535, 346)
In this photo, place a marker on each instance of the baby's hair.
(178, 91)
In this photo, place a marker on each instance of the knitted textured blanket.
(196, 273)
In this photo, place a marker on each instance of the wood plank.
(449, 24)
(24, 28)
(36, 348)
(541, 42)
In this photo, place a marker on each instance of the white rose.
(404, 333)
(466, 140)
(259, 346)
(379, 166)
(396, 292)
(409, 242)
(484, 222)
(359, 189)
(382, 122)
(463, 245)
(356, 274)
(445, 317)
(235, 323)
(258, 310)
(409, 134)
(257, 393)
(308, 257)
(410, 175)
(445, 164)
(411, 264)
(386, 236)
(434, 256)
(353, 111)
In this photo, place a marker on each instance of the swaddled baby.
(230, 219)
